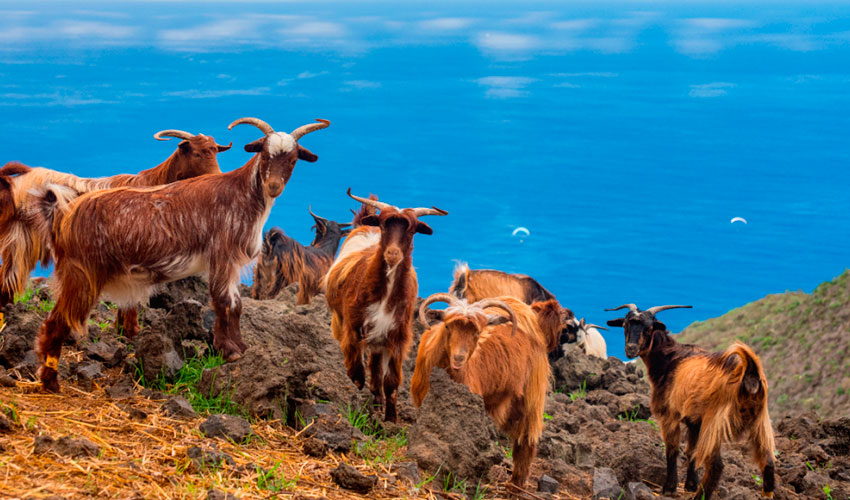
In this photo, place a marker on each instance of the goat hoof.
(690, 486)
(230, 358)
(767, 494)
(49, 380)
(667, 490)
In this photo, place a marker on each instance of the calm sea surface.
(623, 136)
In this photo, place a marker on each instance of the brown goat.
(22, 248)
(558, 323)
(371, 289)
(283, 261)
(125, 241)
(509, 370)
(720, 397)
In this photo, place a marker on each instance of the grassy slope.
(803, 340)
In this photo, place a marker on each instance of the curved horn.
(312, 127)
(260, 124)
(310, 209)
(632, 308)
(429, 211)
(380, 205)
(179, 134)
(483, 304)
(657, 309)
(437, 297)
(591, 325)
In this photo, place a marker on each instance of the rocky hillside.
(803, 340)
(164, 417)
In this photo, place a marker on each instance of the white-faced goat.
(123, 242)
(590, 340)
(720, 397)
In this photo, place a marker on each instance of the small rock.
(179, 407)
(315, 447)
(75, 447)
(6, 425)
(605, 484)
(214, 494)
(135, 413)
(89, 372)
(547, 484)
(227, 426)
(43, 444)
(638, 491)
(123, 389)
(351, 479)
(408, 471)
(205, 459)
(110, 353)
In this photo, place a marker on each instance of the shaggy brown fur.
(21, 248)
(371, 289)
(720, 397)
(283, 261)
(125, 241)
(510, 371)
(557, 323)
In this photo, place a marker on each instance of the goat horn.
(632, 308)
(437, 297)
(345, 225)
(657, 309)
(179, 134)
(380, 205)
(591, 325)
(310, 209)
(483, 304)
(260, 124)
(312, 127)
(429, 211)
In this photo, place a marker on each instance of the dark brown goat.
(371, 289)
(283, 261)
(558, 323)
(505, 365)
(125, 241)
(21, 246)
(720, 397)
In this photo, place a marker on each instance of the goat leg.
(671, 442)
(523, 454)
(769, 481)
(128, 319)
(392, 379)
(376, 376)
(713, 471)
(691, 479)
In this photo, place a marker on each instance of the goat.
(720, 397)
(283, 260)
(590, 340)
(21, 247)
(371, 290)
(557, 323)
(509, 370)
(125, 241)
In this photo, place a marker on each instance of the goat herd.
(122, 236)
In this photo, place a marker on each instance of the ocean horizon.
(624, 137)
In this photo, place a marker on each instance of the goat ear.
(497, 319)
(306, 155)
(370, 220)
(184, 146)
(256, 146)
(222, 149)
(435, 315)
(657, 325)
(616, 322)
(423, 228)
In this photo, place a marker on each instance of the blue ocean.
(624, 137)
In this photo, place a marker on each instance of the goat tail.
(535, 398)
(741, 391)
(460, 281)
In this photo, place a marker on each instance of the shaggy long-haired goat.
(371, 289)
(505, 364)
(557, 323)
(284, 261)
(720, 397)
(125, 241)
(22, 247)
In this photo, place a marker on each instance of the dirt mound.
(803, 341)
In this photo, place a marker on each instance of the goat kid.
(283, 261)
(371, 290)
(21, 246)
(557, 323)
(720, 397)
(506, 365)
(123, 242)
